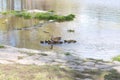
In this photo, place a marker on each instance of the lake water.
(97, 28)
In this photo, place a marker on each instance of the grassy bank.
(32, 72)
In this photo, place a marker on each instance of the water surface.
(97, 28)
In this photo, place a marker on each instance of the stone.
(81, 69)
(105, 67)
(88, 79)
(117, 68)
(89, 63)
(59, 60)
(116, 62)
(77, 79)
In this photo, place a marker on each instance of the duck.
(41, 42)
(74, 41)
(55, 38)
(50, 42)
(60, 42)
(70, 41)
(46, 41)
(65, 41)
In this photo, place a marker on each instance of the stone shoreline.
(12, 55)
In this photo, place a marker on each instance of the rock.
(116, 62)
(104, 63)
(83, 79)
(105, 67)
(79, 68)
(60, 61)
(54, 63)
(88, 79)
(77, 79)
(89, 63)
(5, 62)
(117, 68)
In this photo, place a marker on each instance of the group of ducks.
(57, 40)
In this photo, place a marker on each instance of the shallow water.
(97, 28)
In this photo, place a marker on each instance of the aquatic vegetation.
(50, 15)
(69, 17)
(117, 58)
(9, 12)
(4, 13)
(24, 15)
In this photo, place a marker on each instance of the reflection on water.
(97, 28)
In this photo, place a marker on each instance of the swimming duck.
(41, 42)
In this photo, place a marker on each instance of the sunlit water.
(97, 29)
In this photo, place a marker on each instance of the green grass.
(58, 18)
(25, 15)
(32, 72)
(41, 16)
(117, 58)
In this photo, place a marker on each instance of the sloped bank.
(87, 69)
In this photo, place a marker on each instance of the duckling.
(46, 41)
(41, 42)
(69, 41)
(74, 41)
(55, 42)
(50, 42)
(60, 42)
(65, 41)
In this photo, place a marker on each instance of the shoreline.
(12, 55)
